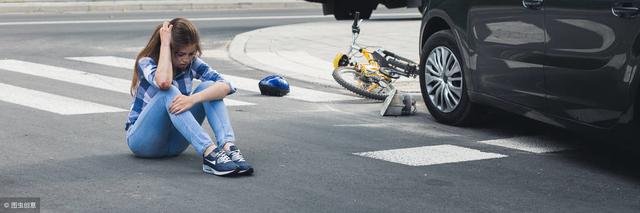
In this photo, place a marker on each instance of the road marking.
(297, 93)
(67, 75)
(51, 102)
(124, 63)
(430, 155)
(534, 144)
(127, 63)
(82, 78)
(299, 70)
(111, 21)
(242, 83)
(232, 102)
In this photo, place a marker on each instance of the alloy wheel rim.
(443, 79)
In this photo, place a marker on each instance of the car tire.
(441, 106)
(344, 10)
(365, 12)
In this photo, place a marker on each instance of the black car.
(569, 63)
(344, 9)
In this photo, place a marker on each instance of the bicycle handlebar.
(356, 17)
(355, 28)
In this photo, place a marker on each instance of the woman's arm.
(183, 103)
(216, 91)
(164, 72)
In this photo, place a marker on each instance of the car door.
(587, 65)
(508, 38)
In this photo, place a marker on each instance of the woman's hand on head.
(182, 103)
(165, 33)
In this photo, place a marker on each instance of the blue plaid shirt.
(147, 87)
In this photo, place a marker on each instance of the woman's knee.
(168, 94)
(172, 91)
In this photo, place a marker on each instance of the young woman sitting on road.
(166, 115)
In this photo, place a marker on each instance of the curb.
(127, 6)
(237, 52)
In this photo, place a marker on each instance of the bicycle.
(374, 77)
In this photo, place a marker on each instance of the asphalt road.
(309, 156)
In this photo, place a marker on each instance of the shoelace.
(221, 156)
(236, 155)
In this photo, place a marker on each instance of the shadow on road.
(592, 151)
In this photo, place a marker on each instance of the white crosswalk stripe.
(430, 155)
(80, 77)
(533, 144)
(242, 83)
(233, 102)
(113, 61)
(51, 102)
(126, 63)
(446, 153)
(297, 93)
(67, 75)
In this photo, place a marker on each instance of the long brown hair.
(183, 34)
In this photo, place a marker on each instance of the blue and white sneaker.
(218, 163)
(236, 157)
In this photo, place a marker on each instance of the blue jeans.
(158, 133)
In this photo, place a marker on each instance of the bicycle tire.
(337, 75)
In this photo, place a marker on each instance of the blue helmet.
(274, 85)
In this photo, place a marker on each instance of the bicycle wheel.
(351, 79)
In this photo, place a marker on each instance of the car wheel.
(344, 10)
(365, 12)
(442, 80)
(341, 13)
